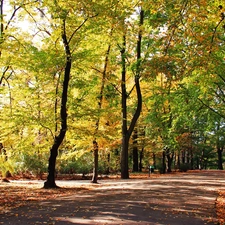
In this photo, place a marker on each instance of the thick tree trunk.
(140, 159)
(3, 152)
(163, 168)
(183, 157)
(126, 133)
(135, 151)
(169, 163)
(220, 158)
(50, 183)
(124, 157)
(169, 156)
(5, 174)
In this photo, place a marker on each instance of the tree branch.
(78, 28)
(214, 32)
(210, 108)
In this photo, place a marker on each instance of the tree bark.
(95, 144)
(163, 169)
(220, 158)
(126, 132)
(50, 183)
(95, 166)
(169, 163)
(108, 164)
(135, 150)
(140, 159)
(169, 156)
(142, 133)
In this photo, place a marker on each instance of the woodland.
(111, 86)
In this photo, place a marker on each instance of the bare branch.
(3, 74)
(47, 128)
(223, 79)
(78, 28)
(15, 11)
(210, 108)
(215, 30)
(97, 70)
(12, 16)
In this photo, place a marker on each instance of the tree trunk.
(126, 132)
(95, 166)
(50, 183)
(192, 159)
(135, 151)
(124, 157)
(169, 156)
(220, 158)
(140, 159)
(163, 169)
(183, 156)
(154, 160)
(108, 163)
(178, 160)
(169, 163)
(95, 144)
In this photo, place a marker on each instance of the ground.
(173, 197)
(220, 206)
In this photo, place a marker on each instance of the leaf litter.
(220, 207)
(14, 195)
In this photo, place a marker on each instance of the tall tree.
(100, 102)
(50, 183)
(58, 139)
(127, 131)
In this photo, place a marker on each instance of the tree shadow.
(168, 200)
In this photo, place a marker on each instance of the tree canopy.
(70, 69)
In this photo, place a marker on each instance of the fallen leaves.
(220, 207)
(14, 195)
(18, 193)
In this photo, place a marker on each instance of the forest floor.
(160, 199)
(220, 207)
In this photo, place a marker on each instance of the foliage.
(181, 69)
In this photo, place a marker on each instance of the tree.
(64, 16)
(66, 79)
(50, 183)
(126, 132)
(100, 102)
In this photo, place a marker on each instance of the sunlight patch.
(96, 220)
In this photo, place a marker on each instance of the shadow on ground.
(181, 199)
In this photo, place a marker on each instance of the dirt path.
(180, 199)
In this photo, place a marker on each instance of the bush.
(81, 165)
(35, 164)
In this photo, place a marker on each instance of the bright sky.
(8, 11)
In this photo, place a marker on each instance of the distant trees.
(132, 82)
